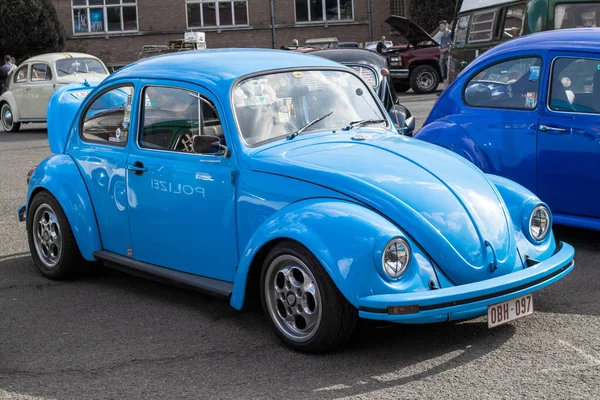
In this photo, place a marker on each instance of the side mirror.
(398, 115)
(409, 126)
(205, 144)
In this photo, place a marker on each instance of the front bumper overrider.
(470, 300)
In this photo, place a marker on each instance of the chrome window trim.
(549, 88)
(141, 105)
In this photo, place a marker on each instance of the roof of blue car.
(562, 39)
(217, 65)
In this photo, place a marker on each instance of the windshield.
(73, 66)
(277, 105)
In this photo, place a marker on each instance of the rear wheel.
(424, 79)
(51, 241)
(306, 310)
(7, 117)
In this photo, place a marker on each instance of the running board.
(213, 286)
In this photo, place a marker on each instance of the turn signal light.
(30, 173)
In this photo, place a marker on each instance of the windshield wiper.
(311, 123)
(362, 122)
(66, 72)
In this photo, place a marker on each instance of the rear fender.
(448, 134)
(346, 238)
(60, 176)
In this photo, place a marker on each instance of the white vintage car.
(34, 81)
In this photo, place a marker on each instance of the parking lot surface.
(110, 335)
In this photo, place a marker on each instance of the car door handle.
(137, 168)
(546, 128)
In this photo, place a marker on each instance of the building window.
(203, 13)
(101, 16)
(324, 10)
(399, 7)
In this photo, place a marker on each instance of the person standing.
(442, 26)
(7, 69)
(445, 42)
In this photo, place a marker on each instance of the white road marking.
(587, 356)
(4, 395)
(333, 387)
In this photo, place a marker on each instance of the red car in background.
(415, 65)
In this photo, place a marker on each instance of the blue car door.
(106, 122)
(181, 203)
(569, 136)
(500, 116)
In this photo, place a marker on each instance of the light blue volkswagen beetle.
(281, 178)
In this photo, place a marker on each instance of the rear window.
(512, 26)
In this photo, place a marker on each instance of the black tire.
(401, 87)
(424, 79)
(68, 260)
(338, 317)
(8, 125)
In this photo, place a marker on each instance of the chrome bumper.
(399, 73)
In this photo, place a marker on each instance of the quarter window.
(324, 10)
(202, 13)
(100, 16)
(513, 22)
(173, 117)
(510, 84)
(575, 85)
(108, 117)
(41, 72)
(21, 75)
(482, 25)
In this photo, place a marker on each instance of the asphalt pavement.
(109, 335)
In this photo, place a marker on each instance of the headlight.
(396, 257)
(539, 223)
(394, 60)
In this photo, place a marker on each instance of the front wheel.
(51, 241)
(305, 308)
(7, 117)
(424, 79)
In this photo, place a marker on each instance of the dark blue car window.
(512, 84)
(575, 85)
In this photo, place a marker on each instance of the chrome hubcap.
(46, 235)
(293, 298)
(7, 117)
(426, 80)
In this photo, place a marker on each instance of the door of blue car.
(103, 128)
(181, 195)
(569, 136)
(500, 117)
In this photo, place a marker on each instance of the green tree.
(427, 13)
(28, 28)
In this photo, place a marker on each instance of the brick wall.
(162, 20)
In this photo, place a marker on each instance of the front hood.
(63, 80)
(444, 203)
(412, 32)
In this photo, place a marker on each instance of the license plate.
(501, 313)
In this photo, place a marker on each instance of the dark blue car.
(529, 110)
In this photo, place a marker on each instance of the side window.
(460, 36)
(173, 117)
(21, 75)
(107, 117)
(575, 85)
(512, 26)
(510, 84)
(40, 72)
(482, 25)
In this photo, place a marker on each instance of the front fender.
(8, 97)
(347, 239)
(448, 134)
(60, 176)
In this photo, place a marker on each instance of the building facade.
(116, 30)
